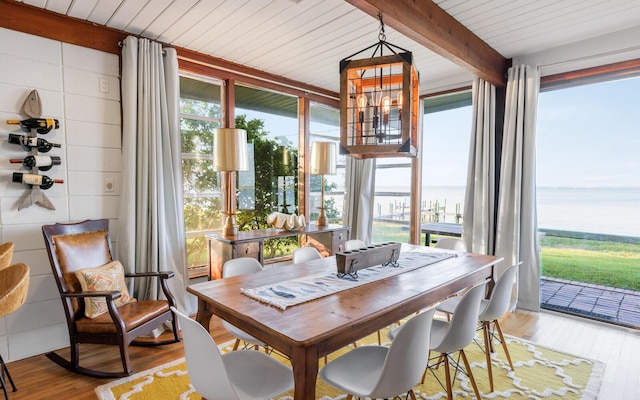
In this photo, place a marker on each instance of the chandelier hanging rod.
(382, 42)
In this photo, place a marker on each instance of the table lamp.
(323, 162)
(230, 155)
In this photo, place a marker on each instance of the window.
(325, 127)
(392, 200)
(588, 198)
(446, 129)
(446, 134)
(200, 113)
(271, 122)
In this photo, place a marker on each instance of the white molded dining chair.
(380, 372)
(305, 254)
(354, 244)
(490, 310)
(451, 337)
(241, 266)
(238, 375)
(450, 243)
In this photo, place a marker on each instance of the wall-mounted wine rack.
(34, 161)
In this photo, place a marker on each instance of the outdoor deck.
(618, 306)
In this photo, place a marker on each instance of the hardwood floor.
(39, 378)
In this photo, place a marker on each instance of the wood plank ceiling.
(304, 40)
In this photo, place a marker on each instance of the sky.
(587, 136)
(590, 135)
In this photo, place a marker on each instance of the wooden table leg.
(204, 314)
(305, 372)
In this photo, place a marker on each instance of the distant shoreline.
(613, 210)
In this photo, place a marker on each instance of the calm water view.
(614, 211)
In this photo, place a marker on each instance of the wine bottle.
(41, 125)
(28, 142)
(43, 163)
(29, 180)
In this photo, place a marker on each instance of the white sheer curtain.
(151, 233)
(479, 204)
(516, 238)
(358, 201)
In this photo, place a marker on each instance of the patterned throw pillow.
(105, 278)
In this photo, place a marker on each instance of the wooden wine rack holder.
(349, 262)
(35, 195)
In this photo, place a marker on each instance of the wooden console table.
(328, 240)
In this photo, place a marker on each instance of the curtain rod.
(121, 44)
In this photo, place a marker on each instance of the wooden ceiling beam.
(429, 25)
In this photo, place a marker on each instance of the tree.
(268, 165)
(201, 187)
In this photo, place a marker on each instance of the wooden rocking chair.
(86, 246)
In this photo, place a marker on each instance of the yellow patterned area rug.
(540, 373)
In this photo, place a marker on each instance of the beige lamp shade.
(323, 158)
(230, 150)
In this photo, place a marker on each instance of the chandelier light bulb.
(376, 97)
(386, 104)
(361, 102)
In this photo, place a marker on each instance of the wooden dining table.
(307, 332)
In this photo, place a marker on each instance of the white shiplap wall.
(67, 78)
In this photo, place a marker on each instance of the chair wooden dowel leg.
(448, 377)
(440, 358)
(487, 326)
(236, 344)
(412, 394)
(487, 351)
(504, 344)
(473, 381)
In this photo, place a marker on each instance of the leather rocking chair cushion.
(133, 315)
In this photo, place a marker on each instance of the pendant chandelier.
(379, 102)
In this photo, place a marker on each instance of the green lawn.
(592, 261)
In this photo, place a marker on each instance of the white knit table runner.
(300, 290)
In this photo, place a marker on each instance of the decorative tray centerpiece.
(349, 262)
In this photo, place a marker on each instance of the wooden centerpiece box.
(349, 262)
